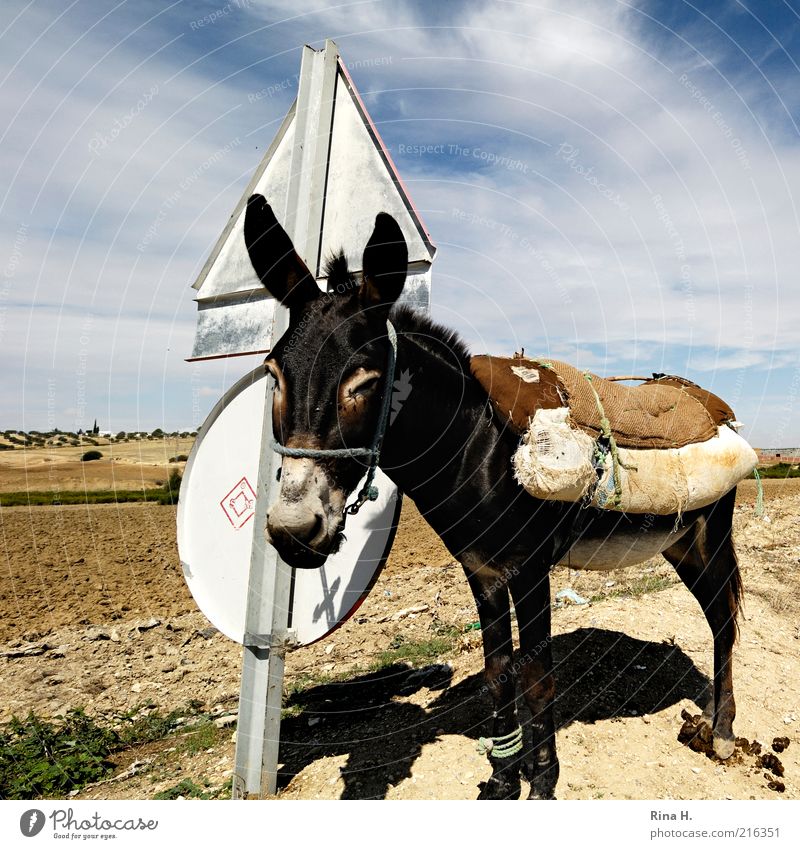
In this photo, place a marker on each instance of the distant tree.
(91, 455)
(157, 433)
(121, 435)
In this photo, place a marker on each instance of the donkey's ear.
(385, 262)
(274, 258)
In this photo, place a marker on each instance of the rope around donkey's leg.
(501, 747)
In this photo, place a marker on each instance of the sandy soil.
(96, 614)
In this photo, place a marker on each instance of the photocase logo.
(31, 822)
(400, 392)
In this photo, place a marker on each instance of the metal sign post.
(267, 634)
(327, 162)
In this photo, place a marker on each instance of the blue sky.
(609, 183)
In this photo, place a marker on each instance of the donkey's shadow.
(600, 675)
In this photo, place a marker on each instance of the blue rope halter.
(368, 492)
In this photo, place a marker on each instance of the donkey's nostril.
(315, 530)
(292, 525)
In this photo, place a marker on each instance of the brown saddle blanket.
(663, 412)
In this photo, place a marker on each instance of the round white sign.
(216, 527)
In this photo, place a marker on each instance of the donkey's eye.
(365, 387)
(272, 369)
(358, 386)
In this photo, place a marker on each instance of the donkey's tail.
(722, 554)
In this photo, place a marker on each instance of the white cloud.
(663, 236)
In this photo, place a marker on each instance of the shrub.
(179, 458)
(48, 759)
(39, 759)
(172, 488)
(91, 455)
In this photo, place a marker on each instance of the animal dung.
(779, 744)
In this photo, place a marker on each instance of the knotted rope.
(759, 507)
(501, 747)
(605, 430)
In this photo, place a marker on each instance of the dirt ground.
(95, 613)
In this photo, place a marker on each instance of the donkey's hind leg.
(491, 597)
(706, 562)
(530, 590)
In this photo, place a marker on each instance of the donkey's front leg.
(505, 756)
(531, 592)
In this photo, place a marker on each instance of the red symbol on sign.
(239, 504)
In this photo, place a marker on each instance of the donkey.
(450, 452)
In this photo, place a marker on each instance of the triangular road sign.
(327, 174)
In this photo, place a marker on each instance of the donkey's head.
(330, 375)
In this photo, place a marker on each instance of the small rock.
(696, 770)
(329, 648)
(417, 608)
(136, 688)
(26, 651)
(226, 720)
(168, 667)
(97, 634)
(113, 635)
(207, 633)
(150, 623)
(313, 720)
(437, 676)
(569, 595)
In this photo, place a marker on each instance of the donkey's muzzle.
(300, 536)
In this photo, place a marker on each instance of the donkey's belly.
(620, 549)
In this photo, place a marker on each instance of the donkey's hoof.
(535, 795)
(495, 789)
(723, 748)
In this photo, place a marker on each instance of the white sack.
(554, 462)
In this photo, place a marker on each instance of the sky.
(610, 183)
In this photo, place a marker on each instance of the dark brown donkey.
(449, 452)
